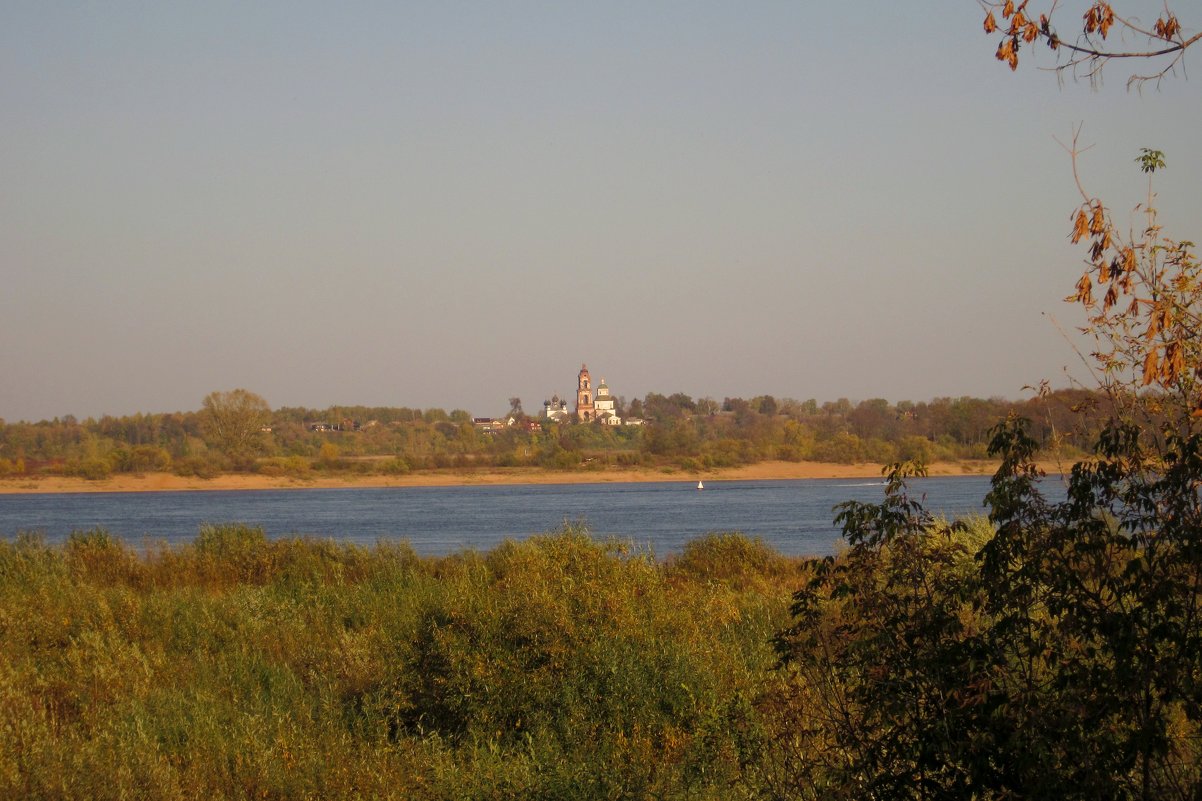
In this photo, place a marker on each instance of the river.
(793, 517)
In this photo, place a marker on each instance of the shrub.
(232, 552)
(292, 466)
(140, 458)
(197, 466)
(329, 457)
(916, 449)
(94, 469)
(102, 558)
(729, 557)
(395, 467)
(238, 666)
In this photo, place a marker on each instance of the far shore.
(763, 471)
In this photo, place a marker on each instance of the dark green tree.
(885, 663)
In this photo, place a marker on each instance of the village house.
(490, 425)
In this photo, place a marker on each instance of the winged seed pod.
(1150, 367)
(1111, 298)
(1167, 28)
(1084, 291)
(1080, 226)
(1173, 364)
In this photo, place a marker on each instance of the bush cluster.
(244, 667)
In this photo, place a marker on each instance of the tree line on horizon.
(238, 432)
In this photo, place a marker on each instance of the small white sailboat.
(700, 485)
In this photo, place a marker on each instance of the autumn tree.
(1098, 596)
(886, 665)
(1065, 659)
(1141, 290)
(232, 420)
(1104, 35)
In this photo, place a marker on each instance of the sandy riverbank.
(151, 482)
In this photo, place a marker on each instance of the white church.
(589, 409)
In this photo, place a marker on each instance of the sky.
(451, 204)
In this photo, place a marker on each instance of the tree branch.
(1099, 18)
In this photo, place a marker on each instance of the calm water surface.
(794, 517)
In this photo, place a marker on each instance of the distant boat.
(700, 485)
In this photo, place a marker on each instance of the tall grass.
(243, 667)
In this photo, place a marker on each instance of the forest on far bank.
(238, 432)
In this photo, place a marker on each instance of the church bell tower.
(584, 396)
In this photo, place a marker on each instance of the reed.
(244, 667)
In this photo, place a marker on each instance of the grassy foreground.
(239, 667)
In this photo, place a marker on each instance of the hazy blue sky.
(448, 204)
